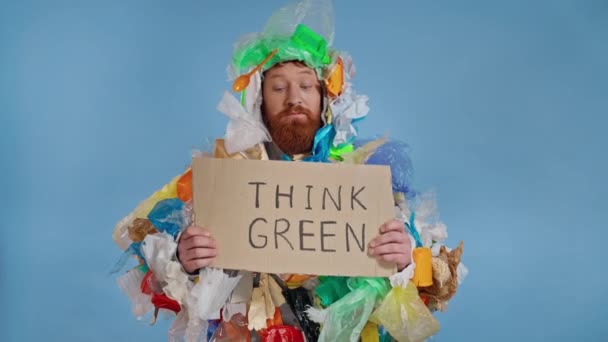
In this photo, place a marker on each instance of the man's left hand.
(392, 244)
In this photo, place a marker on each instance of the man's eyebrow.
(305, 71)
(276, 75)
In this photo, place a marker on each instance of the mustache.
(295, 109)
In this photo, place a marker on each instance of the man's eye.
(278, 89)
(306, 86)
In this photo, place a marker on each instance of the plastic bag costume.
(222, 305)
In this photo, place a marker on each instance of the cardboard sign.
(293, 217)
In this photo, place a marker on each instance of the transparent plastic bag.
(405, 316)
(234, 330)
(130, 284)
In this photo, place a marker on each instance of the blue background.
(503, 103)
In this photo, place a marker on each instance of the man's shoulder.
(257, 152)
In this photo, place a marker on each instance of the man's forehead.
(289, 68)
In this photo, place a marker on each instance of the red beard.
(293, 135)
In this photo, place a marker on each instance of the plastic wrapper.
(139, 228)
(299, 300)
(461, 272)
(424, 215)
(184, 186)
(403, 314)
(257, 310)
(330, 289)
(130, 284)
(196, 330)
(316, 14)
(311, 283)
(282, 333)
(150, 285)
(288, 29)
(244, 129)
(212, 328)
(161, 301)
(170, 215)
(158, 250)
(403, 277)
(233, 330)
(442, 291)
(322, 144)
(120, 235)
(346, 318)
(383, 335)
(209, 295)
(363, 152)
(167, 191)
(347, 109)
(177, 330)
(394, 153)
(370, 333)
(134, 250)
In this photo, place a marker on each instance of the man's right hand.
(196, 249)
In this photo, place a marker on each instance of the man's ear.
(325, 112)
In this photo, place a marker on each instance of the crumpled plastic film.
(347, 317)
(167, 191)
(177, 330)
(244, 129)
(299, 300)
(170, 215)
(288, 30)
(121, 232)
(403, 277)
(159, 250)
(210, 293)
(257, 310)
(370, 333)
(316, 14)
(139, 228)
(233, 330)
(347, 109)
(282, 333)
(426, 219)
(395, 154)
(134, 250)
(462, 271)
(330, 289)
(196, 329)
(405, 316)
(184, 186)
(130, 284)
(363, 151)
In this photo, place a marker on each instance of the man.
(297, 105)
(292, 104)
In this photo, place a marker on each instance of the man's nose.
(294, 96)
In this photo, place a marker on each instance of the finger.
(396, 258)
(194, 231)
(196, 264)
(198, 241)
(199, 253)
(390, 248)
(390, 237)
(392, 225)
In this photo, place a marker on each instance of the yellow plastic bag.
(405, 316)
(167, 191)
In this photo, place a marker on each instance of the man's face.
(292, 106)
